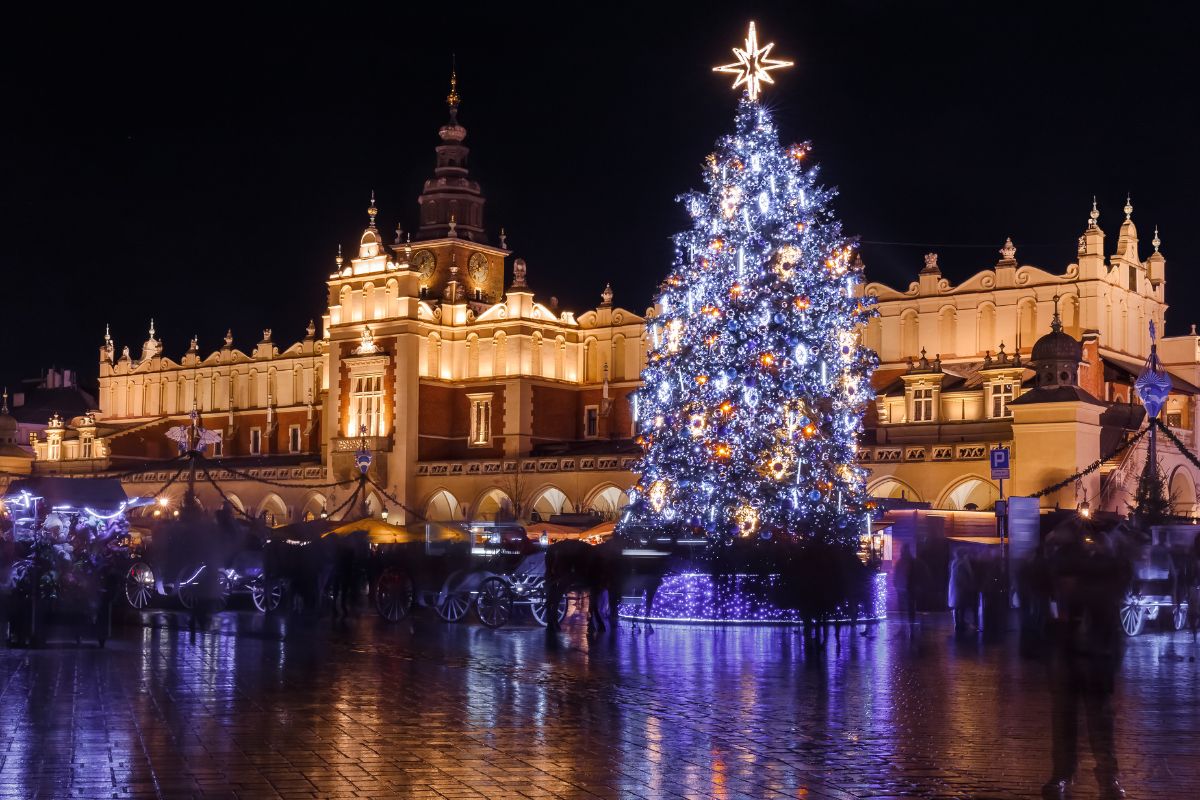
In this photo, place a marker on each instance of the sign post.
(1000, 471)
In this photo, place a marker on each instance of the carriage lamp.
(164, 502)
(324, 514)
(1085, 508)
(384, 515)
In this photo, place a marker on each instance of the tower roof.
(450, 196)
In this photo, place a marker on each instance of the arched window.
(536, 359)
(560, 358)
(617, 372)
(1070, 316)
(1027, 323)
(472, 356)
(987, 329)
(433, 356)
(500, 356)
(910, 335)
(873, 336)
(948, 331)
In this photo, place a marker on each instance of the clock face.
(424, 263)
(478, 268)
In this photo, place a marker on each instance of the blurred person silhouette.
(961, 593)
(1088, 578)
(909, 576)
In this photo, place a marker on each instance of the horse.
(600, 569)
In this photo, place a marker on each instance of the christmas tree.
(756, 381)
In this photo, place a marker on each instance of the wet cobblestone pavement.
(253, 709)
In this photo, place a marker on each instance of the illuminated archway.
(970, 494)
(273, 511)
(313, 507)
(608, 501)
(1182, 492)
(442, 507)
(550, 501)
(893, 489)
(491, 504)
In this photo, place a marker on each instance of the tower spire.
(1056, 322)
(1128, 206)
(453, 98)
(372, 211)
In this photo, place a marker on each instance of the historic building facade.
(959, 362)
(472, 396)
(475, 396)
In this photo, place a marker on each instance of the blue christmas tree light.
(756, 381)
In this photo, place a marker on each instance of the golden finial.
(372, 211)
(452, 98)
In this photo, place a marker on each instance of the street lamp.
(384, 515)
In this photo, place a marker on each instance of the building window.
(1175, 419)
(479, 294)
(1132, 278)
(1002, 395)
(591, 422)
(481, 420)
(255, 441)
(85, 445)
(218, 448)
(922, 405)
(424, 292)
(53, 449)
(366, 405)
(294, 439)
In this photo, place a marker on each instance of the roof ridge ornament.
(1156, 241)
(372, 211)
(1128, 206)
(753, 66)
(1094, 214)
(1056, 321)
(1009, 251)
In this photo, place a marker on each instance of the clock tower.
(451, 246)
(452, 203)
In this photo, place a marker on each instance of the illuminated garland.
(396, 500)
(736, 599)
(1188, 454)
(1095, 465)
(752, 399)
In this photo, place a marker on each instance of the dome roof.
(1057, 346)
(8, 427)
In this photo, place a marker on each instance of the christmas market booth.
(64, 547)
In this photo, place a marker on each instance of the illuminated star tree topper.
(753, 66)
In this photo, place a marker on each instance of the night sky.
(202, 169)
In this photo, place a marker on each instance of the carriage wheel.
(1179, 616)
(266, 597)
(537, 604)
(187, 587)
(1133, 619)
(494, 604)
(139, 585)
(226, 584)
(454, 606)
(394, 594)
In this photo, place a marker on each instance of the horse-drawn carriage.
(193, 559)
(1162, 574)
(494, 569)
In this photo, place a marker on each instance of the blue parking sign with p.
(999, 462)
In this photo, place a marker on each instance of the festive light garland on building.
(1095, 465)
(753, 395)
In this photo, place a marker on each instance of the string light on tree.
(755, 384)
